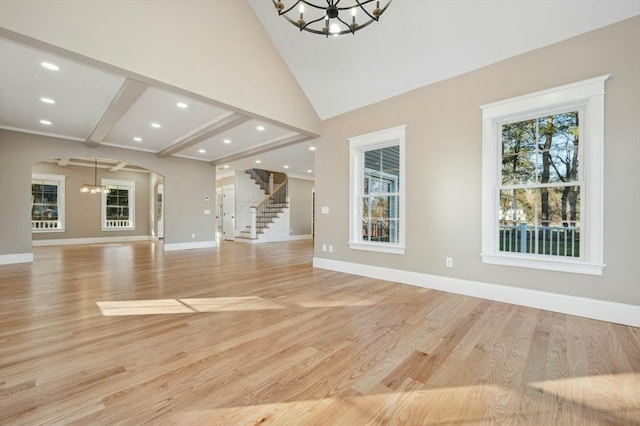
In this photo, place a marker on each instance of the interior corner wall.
(189, 187)
(444, 160)
(216, 49)
(300, 206)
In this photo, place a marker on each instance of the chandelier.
(324, 17)
(95, 188)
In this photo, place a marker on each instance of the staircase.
(271, 207)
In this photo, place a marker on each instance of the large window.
(377, 191)
(542, 179)
(118, 205)
(47, 203)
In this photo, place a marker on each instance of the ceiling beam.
(290, 140)
(128, 94)
(228, 122)
(121, 165)
(63, 162)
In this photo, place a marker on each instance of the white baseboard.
(275, 239)
(8, 259)
(189, 246)
(91, 240)
(619, 313)
(300, 237)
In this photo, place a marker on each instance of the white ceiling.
(97, 107)
(419, 42)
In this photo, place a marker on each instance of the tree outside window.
(47, 203)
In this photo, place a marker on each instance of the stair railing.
(262, 210)
(267, 179)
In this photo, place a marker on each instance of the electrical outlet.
(448, 261)
(193, 235)
(324, 247)
(330, 248)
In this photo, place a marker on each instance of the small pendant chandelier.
(325, 17)
(95, 188)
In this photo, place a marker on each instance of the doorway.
(228, 212)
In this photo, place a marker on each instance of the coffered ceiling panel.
(238, 139)
(79, 101)
(75, 96)
(177, 116)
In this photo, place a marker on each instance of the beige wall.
(217, 49)
(300, 194)
(187, 184)
(443, 169)
(83, 216)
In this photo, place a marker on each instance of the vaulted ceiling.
(417, 42)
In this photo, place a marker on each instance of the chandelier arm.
(284, 12)
(334, 4)
(322, 18)
(358, 3)
(315, 6)
(366, 11)
(350, 30)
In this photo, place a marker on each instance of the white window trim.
(61, 179)
(357, 146)
(588, 95)
(132, 204)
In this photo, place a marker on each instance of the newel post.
(254, 215)
(270, 183)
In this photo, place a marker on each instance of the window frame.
(132, 202)
(61, 179)
(358, 145)
(587, 97)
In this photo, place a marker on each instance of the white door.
(228, 212)
(160, 211)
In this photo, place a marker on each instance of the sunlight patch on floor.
(184, 306)
(598, 391)
(617, 394)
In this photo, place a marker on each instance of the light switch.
(325, 210)
(207, 212)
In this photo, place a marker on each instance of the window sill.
(557, 265)
(131, 228)
(379, 247)
(46, 231)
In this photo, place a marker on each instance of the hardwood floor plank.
(125, 334)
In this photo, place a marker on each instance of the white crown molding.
(619, 313)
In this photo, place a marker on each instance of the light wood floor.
(126, 334)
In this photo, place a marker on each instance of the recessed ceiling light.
(48, 100)
(258, 161)
(260, 128)
(182, 105)
(227, 141)
(226, 166)
(201, 151)
(45, 122)
(50, 66)
(312, 148)
(286, 166)
(309, 171)
(137, 139)
(156, 125)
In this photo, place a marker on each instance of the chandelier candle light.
(95, 188)
(325, 15)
